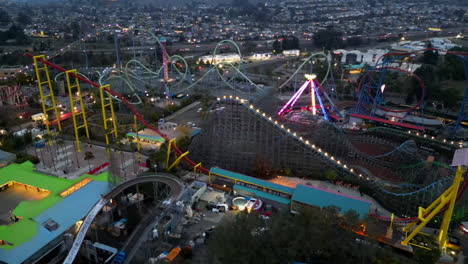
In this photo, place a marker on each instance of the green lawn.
(26, 228)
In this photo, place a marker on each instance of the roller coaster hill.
(139, 64)
(388, 164)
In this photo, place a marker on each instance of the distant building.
(262, 56)
(220, 58)
(294, 52)
(6, 71)
(286, 197)
(442, 44)
(357, 57)
(408, 46)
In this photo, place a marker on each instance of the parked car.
(221, 207)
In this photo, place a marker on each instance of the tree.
(24, 19)
(331, 175)
(314, 236)
(75, 28)
(4, 17)
(262, 167)
(450, 98)
(35, 140)
(354, 41)
(289, 42)
(424, 256)
(452, 67)
(89, 156)
(14, 32)
(430, 56)
(427, 74)
(277, 47)
(159, 157)
(49, 139)
(328, 39)
(119, 146)
(183, 143)
(249, 47)
(184, 131)
(61, 144)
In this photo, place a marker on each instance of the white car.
(464, 227)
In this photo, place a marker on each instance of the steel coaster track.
(384, 191)
(331, 160)
(129, 105)
(342, 168)
(176, 190)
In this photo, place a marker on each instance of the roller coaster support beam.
(128, 104)
(135, 127)
(169, 148)
(105, 118)
(447, 199)
(43, 81)
(73, 84)
(177, 161)
(195, 168)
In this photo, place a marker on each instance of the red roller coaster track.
(420, 82)
(179, 152)
(130, 106)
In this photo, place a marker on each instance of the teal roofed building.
(295, 198)
(309, 195)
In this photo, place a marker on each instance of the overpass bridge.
(174, 183)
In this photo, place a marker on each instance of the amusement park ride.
(371, 102)
(12, 95)
(314, 88)
(444, 204)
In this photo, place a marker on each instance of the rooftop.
(28, 234)
(320, 197)
(251, 180)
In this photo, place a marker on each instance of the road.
(209, 47)
(185, 115)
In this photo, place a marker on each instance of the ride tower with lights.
(315, 89)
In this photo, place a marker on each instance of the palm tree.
(48, 138)
(76, 154)
(134, 148)
(37, 139)
(89, 156)
(61, 143)
(119, 147)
